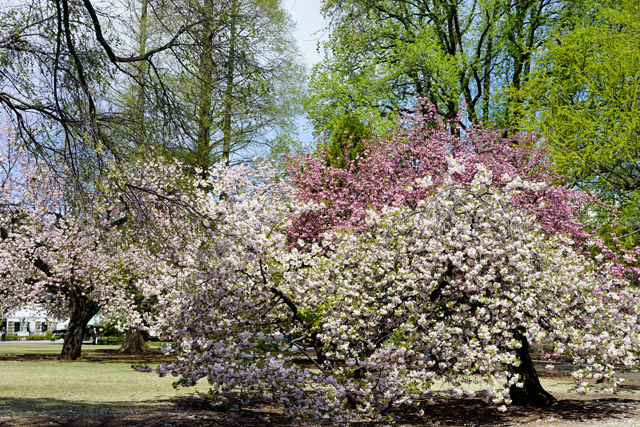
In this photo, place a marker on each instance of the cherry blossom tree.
(431, 257)
(77, 256)
(448, 290)
(423, 145)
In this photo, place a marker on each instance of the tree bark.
(205, 103)
(83, 309)
(531, 393)
(229, 93)
(134, 343)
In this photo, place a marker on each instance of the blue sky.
(311, 28)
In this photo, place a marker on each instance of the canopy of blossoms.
(423, 145)
(449, 290)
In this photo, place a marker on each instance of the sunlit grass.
(79, 389)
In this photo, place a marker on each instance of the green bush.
(48, 335)
(37, 337)
(27, 337)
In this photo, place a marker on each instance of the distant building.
(32, 321)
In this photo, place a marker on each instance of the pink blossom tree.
(384, 175)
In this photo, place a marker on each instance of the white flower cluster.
(445, 292)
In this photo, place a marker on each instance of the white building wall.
(32, 321)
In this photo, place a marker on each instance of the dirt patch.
(104, 355)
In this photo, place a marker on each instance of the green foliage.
(346, 140)
(584, 97)
(111, 340)
(108, 329)
(382, 54)
(313, 319)
(27, 337)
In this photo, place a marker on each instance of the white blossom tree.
(449, 291)
(79, 256)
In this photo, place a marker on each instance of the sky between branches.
(311, 29)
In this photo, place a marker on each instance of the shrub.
(36, 337)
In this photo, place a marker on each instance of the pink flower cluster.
(385, 175)
(423, 145)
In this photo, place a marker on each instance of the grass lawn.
(75, 389)
(38, 391)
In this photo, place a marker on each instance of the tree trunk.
(531, 393)
(140, 131)
(207, 87)
(134, 343)
(229, 93)
(83, 309)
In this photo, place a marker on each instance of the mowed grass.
(38, 389)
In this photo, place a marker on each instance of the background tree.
(382, 55)
(74, 259)
(69, 63)
(58, 69)
(346, 143)
(237, 77)
(583, 95)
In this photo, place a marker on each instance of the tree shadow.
(200, 411)
(34, 407)
(475, 412)
(175, 412)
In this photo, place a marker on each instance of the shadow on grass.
(93, 355)
(474, 412)
(176, 412)
(34, 407)
(197, 411)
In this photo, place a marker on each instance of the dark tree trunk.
(532, 393)
(83, 309)
(134, 343)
